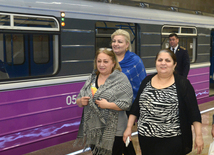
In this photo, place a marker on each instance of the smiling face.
(164, 63)
(119, 45)
(173, 41)
(104, 64)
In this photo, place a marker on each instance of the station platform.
(207, 111)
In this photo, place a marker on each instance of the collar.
(174, 48)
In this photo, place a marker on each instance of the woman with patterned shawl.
(105, 97)
(131, 65)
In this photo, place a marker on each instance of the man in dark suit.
(182, 56)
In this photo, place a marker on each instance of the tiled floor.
(67, 148)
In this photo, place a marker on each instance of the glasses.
(108, 49)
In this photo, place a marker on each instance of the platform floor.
(66, 148)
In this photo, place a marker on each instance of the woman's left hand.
(199, 144)
(102, 103)
(212, 131)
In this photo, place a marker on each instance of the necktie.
(173, 50)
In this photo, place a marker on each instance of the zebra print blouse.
(159, 113)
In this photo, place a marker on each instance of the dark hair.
(172, 54)
(173, 34)
(111, 54)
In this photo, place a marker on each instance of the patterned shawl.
(133, 67)
(98, 126)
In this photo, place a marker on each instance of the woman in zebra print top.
(166, 107)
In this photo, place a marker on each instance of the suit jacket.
(183, 62)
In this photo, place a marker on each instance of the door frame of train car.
(30, 68)
(211, 90)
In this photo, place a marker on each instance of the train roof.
(105, 12)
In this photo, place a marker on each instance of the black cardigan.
(188, 107)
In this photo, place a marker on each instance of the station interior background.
(200, 7)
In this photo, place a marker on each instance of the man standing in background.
(182, 56)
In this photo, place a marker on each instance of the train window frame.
(3, 19)
(182, 36)
(28, 58)
(14, 27)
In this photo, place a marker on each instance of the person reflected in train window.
(3, 71)
(166, 108)
(105, 96)
(131, 65)
(182, 56)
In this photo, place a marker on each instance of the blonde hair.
(113, 57)
(123, 33)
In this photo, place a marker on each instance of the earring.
(126, 49)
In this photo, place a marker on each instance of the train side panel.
(77, 47)
(42, 114)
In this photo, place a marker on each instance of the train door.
(212, 63)
(28, 54)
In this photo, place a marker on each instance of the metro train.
(46, 57)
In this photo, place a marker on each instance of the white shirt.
(175, 49)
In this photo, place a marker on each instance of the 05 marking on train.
(71, 99)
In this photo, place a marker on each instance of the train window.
(14, 48)
(105, 29)
(40, 48)
(4, 20)
(188, 30)
(170, 29)
(32, 54)
(187, 38)
(34, 22)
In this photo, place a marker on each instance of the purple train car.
(45, 58)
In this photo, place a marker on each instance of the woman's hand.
(81, 102)
(128, 130)
(199, 144)
(102, 103)
(127, 134)
(212, 131)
